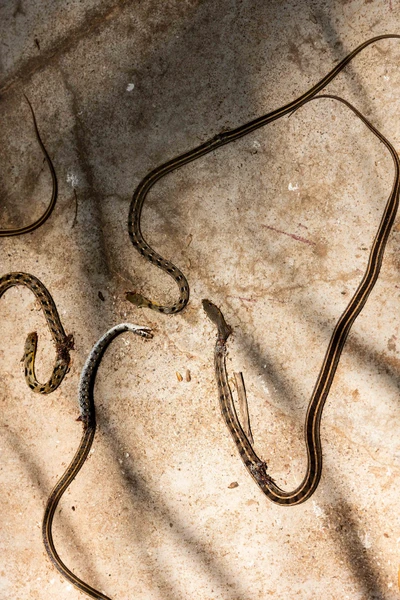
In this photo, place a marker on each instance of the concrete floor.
(118, 88)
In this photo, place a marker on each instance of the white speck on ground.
(366, 541)
(318, 511)
(72, 179)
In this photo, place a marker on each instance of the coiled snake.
(64, 343)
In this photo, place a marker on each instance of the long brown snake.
(256, 467)
(219, 140)
(64, 343)
(28, 228)
(88, 418)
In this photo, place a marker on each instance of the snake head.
(30, 344)
(145, 332)
(215, 315)
(136, 299)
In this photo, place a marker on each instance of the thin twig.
(243, 406)
(74, 222)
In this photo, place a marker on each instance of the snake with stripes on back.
(140, 194)
(29, 228)
(257, 467)
(88, 418)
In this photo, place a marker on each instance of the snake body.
(219, 140)
(28, 228)
(256, 467)
(88, 418)
(63, 342)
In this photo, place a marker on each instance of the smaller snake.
(64, 343)
(88, 418)
(28, 228)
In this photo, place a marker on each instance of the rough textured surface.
(152, 515)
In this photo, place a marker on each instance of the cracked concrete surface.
(274, 228)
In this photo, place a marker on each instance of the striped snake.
(256, 467)
(140, 194)
(64, 343)
(88, 418)
(49, 209)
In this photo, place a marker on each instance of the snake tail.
(36, 224)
